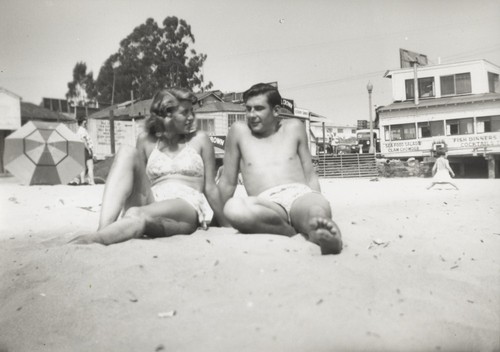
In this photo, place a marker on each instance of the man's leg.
(256, 215)
(82, 175)
(90, 171)
(312, 216)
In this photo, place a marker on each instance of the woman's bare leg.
(126, 186)
(161, 219)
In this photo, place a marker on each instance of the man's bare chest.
(267, 151)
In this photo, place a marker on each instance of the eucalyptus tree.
(81, 90)
(149, 58)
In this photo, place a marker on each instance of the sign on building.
(287, 104)
(125, 134)
(301, 112)
(408, 58)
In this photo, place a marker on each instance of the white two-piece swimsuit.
(186, 163)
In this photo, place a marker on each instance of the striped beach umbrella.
(44, 153)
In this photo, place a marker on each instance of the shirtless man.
(278, 174)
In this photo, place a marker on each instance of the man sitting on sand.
(274, 159)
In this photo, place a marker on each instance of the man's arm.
(229, 179)
(305, 156)
(211, 191)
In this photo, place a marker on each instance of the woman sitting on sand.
(160, 186)
(441, 171)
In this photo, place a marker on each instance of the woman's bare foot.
(86, 239)
(325, 233)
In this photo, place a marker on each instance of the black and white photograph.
(261, 176)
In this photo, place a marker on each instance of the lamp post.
(369, 87)
(113, 90)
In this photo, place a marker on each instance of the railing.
(346, 165)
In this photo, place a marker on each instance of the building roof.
(138, 108)
(427, 103)
(219, 106)
(128, 109)
(31, 111)
(389, 73)
(3, 90)
(202, 95)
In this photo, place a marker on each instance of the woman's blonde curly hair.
(164, 103)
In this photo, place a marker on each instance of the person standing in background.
(442, 172)
(89, 152)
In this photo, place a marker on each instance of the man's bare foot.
(86, 239)
(325, 233)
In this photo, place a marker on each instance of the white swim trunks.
(285, 195)
(169, 190)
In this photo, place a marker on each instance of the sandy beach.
(420, 271)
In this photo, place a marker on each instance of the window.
(410, 91)
(456, 84)
(340, 130)
(207, 125)
(430, 129)
(353, 130)
(488, 124)
(232, 118)
(401, 132)
(462, 83)
(425, 88)
(387, 133)
(447, 85)
(459, 126)
(493, 82)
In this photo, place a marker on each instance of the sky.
(322, 53)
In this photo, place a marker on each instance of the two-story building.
(457, 108)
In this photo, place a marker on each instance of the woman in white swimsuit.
(166, 185)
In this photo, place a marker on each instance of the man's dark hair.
(271, 92)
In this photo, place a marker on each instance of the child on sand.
(441, 171)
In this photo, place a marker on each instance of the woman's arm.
(210, 188)
(144, 145)
(229, 179)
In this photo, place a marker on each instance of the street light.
(369, 87)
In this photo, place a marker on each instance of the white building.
(457, 108)
(334, 133)
(10, 118)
